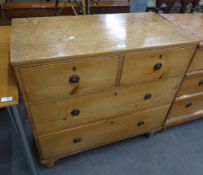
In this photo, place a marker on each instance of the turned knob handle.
(188, 105)
(74, 79)
(201, 83)
(140, 123)
(75, 112)
(157, 66)
(148, 96)
(77, 140)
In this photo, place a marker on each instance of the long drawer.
(197, 63)
(161, 64)
(186, 104)
(77, 111)
(192, 83)
(53, 81)
(92, 135)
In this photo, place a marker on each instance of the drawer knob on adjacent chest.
(75, 112)
(74, 79)
(140, 123)
(77, 140)
(157, 66)
(188, 105)
(201, 83)
(148, 96)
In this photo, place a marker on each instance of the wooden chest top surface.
(41, 39)
(189, 22)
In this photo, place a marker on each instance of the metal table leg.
(15, 118)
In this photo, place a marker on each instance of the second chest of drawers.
(188, 104)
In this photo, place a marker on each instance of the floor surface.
(176, 151)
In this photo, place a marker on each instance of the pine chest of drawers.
(92, 80)
(188, 104)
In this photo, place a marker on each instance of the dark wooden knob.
(148, 96)
(140, 123)
(77, 140)
(74, 79)
(75, 112)
(188, 105)
(201, 83)
(157, 66)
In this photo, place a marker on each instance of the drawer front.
(100, 133)
(77, 111)
(184, 118)
(192, 83)
(162, 64)
(197, 63)
(187, 105)
(64, 79)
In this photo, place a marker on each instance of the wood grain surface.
(192, 23)
(37, 40)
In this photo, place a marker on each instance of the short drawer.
(191, 84)
(197, 63)
(186, 104)
(63, 79)
(100, 133)
(161, 64)
(82, 110)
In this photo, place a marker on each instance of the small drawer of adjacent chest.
(100, 133)
(63, 79)
(186, 104)
(155, 65)
(197, 63)
(192, 83)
